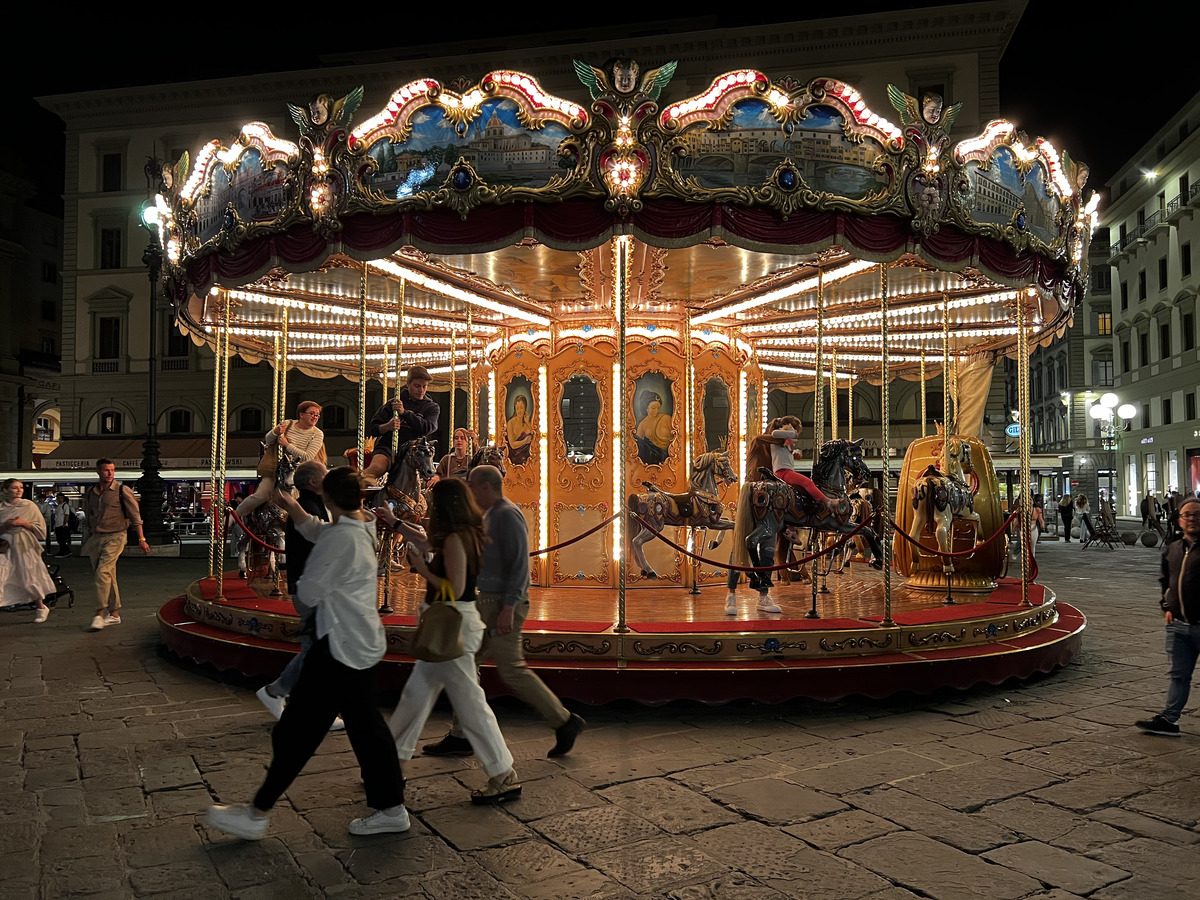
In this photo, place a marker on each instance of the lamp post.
(1114, 417)
(151, 487)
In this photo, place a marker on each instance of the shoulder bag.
(438, 637)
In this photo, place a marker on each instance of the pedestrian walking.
(456, 537)
(337, 675)
(64, 524)
(307, 479)
(1085, 519)
(1180, 581)
(1066, 515)
(23, 575)
(110, 511)
(504, 605)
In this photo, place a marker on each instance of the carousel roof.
(768, 213)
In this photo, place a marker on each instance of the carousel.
(610, 287)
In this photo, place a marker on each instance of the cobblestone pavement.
(1042, 789)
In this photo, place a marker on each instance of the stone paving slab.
(1039, 791)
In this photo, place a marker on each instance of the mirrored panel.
(753, 420)
(581, 418)
(715, 408)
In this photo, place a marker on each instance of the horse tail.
(743, 524)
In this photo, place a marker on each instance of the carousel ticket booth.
(616, 281)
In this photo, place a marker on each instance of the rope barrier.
(254, 537)
(578, 537)
(720, 565)
(949, 554)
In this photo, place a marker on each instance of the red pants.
(791, 476)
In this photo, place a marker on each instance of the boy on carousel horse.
(412, 414)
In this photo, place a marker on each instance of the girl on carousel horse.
(299, 438)
(775, 451)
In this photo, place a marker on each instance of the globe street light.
(151, 487)
(1113, 417)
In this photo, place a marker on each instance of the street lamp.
(1113, 417)
(151, 486)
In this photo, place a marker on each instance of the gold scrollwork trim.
(855, 643)
(775, 647)
(681, 648)
(567, 647)
(937, 637)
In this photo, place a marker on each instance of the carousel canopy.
(772, 215)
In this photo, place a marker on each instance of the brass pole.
(850, 407)
(217, 509)
(621, 285)
(471, 401)
(924, 417)
(453, 386)
(399, 350)
(275, 384)
(833, 397)
(818, 385)
(1023, 408)
(886, 537)
(283, 369)
(362, 366)
(223, 428)
(946, 383)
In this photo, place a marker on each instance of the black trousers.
(63, 536)
(326, 689)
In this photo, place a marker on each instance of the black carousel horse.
(765, 508)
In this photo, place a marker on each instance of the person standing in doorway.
(503, 605)
(110, 510)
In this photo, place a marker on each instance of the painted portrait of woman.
(519, 429)
(653, 411)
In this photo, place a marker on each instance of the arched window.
(179, 421)
(250, 419)
(112, 422)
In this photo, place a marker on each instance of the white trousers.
(459, 679)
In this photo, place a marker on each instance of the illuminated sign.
(1013, 430)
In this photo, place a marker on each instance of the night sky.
(1095, 86)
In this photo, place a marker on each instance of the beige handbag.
(439, 632)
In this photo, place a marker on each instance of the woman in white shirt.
(339, 582)
(299, 438)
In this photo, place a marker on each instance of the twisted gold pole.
(886, 537)
(399, 350)
(850, 407)
(362, 367)
(223, 428)
(1023, 444)
(833, 395)
(621, 284)
(819, 383)
(924, 417)
(945, 382)
(470, 381)
(215, 506)
(453, 385)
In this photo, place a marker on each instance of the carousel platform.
(682, 646)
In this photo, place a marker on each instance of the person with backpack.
(110, 511)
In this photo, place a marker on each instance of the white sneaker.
(767, 605)
(97, 623)
(42, 614)
(273, 704)
(240, 821)
(338, 725)
(113, 619)
(730, 605)
(382, 822)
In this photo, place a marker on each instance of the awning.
(174, 453)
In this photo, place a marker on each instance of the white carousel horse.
(268, 523)
(698, 508)
(939, 498)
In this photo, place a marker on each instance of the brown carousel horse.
(698, 508)
(404, 495)
(488, 455)
(939, 498)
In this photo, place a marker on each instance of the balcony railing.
(105, 366)
(43, 434)
(175, 364)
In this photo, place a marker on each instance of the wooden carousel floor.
(682, 645)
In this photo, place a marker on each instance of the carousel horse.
(404, 495)
(698, 508)
(939, 498)
(268, 522)
(765, 508)
(488, 455)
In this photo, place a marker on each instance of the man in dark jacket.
(1180, 602)
(412, 414)
(308, 478)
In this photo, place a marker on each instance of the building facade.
(952, 50)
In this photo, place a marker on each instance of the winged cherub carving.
(324, 113)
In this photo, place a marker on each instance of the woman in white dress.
(23, 575)
(300, 438)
